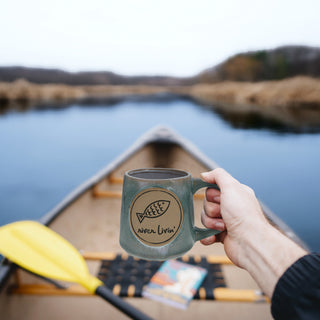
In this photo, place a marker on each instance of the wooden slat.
(47, 289)
(106, 193)
(219, 259)
(210, 259)
(131, 291)
(239, 295)
(185, 258)
(199, 196)
(116, 289)
(88, 255)
(220, 294)
(98, 255)
(98, 193)
(197, 258)
(115, 180)
(119, 180)
(202, 293)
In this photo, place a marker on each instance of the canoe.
(89, 218)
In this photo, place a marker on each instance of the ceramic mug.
(157, 215)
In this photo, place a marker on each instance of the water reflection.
(292, 122)
(23, 105)
(281, 120)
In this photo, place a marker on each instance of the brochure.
(175, 283)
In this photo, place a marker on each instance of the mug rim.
(183, 174)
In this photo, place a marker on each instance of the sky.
(148, 37)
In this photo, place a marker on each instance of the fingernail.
(204, 174)
(220, 225)
(216, 199)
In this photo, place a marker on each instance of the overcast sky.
(176, 37)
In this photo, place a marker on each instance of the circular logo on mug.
(156, 216)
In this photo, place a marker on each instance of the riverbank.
(26, 92)
(291, 93)
(294, 101)
(297, 92)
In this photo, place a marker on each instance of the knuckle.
(206, 205)
(203, 218)
(210, 193)
(248, 189)
(209, 208)
(219, 171)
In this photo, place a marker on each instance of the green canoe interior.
(90, 220)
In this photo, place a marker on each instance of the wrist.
(268, 254)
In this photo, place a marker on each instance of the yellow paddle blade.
(42, 251)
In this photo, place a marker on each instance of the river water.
(47, 153)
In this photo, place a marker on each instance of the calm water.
(46, 154)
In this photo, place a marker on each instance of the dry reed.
(293, 92)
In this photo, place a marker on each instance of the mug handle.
(201, 233)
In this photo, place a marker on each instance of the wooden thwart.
(48, 289)
(106, 193)
(221, 294)
(98, 193)
(111, 255)
(239, 295)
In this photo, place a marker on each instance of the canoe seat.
(126, 276)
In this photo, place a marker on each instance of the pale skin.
(249, 240)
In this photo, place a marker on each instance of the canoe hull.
(90, 219)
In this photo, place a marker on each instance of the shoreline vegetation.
(293, 101)
(275, 88)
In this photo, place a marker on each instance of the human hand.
(249, 239)
(235, 211)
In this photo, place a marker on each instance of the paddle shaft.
(126, 308)
(107, 295)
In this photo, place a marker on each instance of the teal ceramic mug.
(157, 215)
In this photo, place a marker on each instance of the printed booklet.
(175, 283)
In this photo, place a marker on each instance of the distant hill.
(40, 75)
(275, 64)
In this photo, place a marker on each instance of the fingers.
(211, 216)
(213, 239)
(212, 223)
(213, 195)
(211, 209)
(208, 241)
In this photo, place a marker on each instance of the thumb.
(208, 176)
(219, 176)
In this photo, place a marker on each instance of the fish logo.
(154, 210)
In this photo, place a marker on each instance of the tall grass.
(289, 93)
(297, 92)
